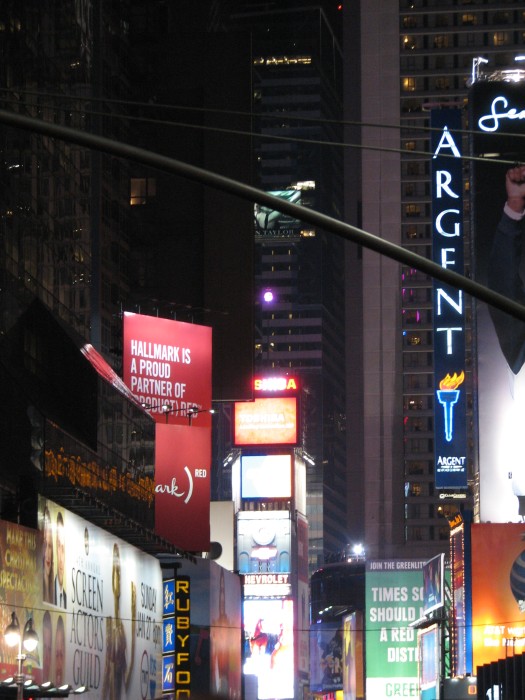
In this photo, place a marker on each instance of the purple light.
(268, 296)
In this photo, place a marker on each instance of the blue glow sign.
(449, 304)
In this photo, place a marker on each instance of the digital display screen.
(266, 476)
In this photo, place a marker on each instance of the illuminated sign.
(168, 636)
(264, 545)
(272, 223)
(498, 591)
(394, 599)
(275, 384)
(267, 586)
(499, 110)
(182, 637)
(266, 476)
(269, 421)
(434, 584)
(269, 625)
(449, 312)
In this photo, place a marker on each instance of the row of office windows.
(462, 19)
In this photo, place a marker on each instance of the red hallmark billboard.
(167, 367)
(182, 485)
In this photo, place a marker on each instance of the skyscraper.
(296, 68)
(414, 58)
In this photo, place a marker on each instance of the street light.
(27, 641)
(189, 412)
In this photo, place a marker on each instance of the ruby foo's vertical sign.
(167, 364)
(450, 404)
(176, 663)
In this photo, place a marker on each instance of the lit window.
(468, 19)
(143, 189)
(412, 210)
(441, 41)
(501, 38)
(409, 84)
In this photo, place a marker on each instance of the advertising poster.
(270, 223)
(326, 656)
(20, 593)
(433, 584)
(394, 599)
(498, 591)
(498, 191)
(270, 650)
(225, 633)
(102, 609)
(303, 596)
(271, 421)
(168, 363)
(182, 485)
(353, 685)
(264, 542)
(450, 400)
(429, 664)
(266, 476)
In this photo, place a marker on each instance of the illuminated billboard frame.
(450, 403)
(266, 421)
(266, 476)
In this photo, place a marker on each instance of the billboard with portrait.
(269, 629)
(498, 202)
(268, 421)
(100, 619)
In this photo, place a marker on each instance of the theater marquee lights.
(448, 302)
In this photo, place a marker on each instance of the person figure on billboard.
(60, 652)
(60, 579)
(504, 276)
(118, 669)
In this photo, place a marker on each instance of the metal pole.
(246, 192)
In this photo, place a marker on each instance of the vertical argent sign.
(448, 303)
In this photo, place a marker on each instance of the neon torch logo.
(448, 395)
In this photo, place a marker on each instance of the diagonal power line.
(253, 194)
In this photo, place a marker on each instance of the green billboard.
(394, 600)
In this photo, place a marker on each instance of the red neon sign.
(275, 384)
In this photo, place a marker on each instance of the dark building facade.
(296, 75)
